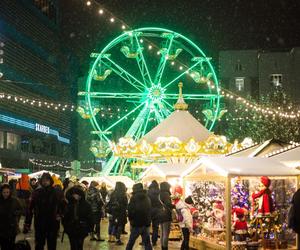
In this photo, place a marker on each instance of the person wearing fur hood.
(184, 216)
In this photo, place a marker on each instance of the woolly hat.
(46, 175)
(265, 181)
(154, 185)
(239, 212)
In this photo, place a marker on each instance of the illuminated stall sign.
(42, 128)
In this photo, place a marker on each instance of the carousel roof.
(180, 124)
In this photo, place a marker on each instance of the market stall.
(110, 180)
(38, 174)
(243, 202)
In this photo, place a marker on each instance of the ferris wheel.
(138, 72)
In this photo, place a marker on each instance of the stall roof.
(290, 156)
(244, 166)
(110, 180)
(39, 173)
(180, 124)
(260, 150)
(166, 169)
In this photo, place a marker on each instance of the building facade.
(255, 72)
(35, 66)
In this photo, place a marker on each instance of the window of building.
(239, 83)
(276, 80)
(13, 141)
(238, 67)
(2, 139)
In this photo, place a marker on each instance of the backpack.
(292, 217)
(112, 207)
(22, 245)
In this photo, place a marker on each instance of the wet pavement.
(92, 245)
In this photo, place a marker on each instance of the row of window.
(275, 80)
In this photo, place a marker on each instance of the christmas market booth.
(110, 181)
(243, 202)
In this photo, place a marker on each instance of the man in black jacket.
(296, 204)
(46, 204)
(139, 214)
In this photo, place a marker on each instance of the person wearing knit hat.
(46, 205)
(265, 201)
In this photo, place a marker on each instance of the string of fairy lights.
(66, 165)
(109, 112)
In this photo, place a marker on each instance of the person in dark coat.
(139, 214)
(166, 216)
(296, 204)
(78, 218)
(46, 205)
(95, 200)
(156, 207)
(10, 211)
(118, 201)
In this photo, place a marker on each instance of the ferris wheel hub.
(156, 93)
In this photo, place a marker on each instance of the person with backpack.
(117, 207)
(78, 217)
(95, 200)
(165, 217)
(46, 205)
(10, 212)
(184, 217)
(139, 215)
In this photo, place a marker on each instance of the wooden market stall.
(220, 173)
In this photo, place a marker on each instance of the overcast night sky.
(213, 24)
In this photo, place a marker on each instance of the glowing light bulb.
(112, 20)
(180, 67)
(88, 3)
(123, 27)
(150, 47)
(101, 11)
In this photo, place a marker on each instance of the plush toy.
(218, 213)
(240, 226)
(264, 198)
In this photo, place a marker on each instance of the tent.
(39, 174)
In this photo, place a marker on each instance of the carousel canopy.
(180, 124)
(243, 166)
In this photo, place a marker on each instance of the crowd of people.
(48, 203)
(79, 208)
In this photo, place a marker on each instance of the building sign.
(42, 128)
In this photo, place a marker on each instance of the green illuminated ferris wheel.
(139, 71)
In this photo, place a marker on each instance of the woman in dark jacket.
(77, 220)
(156, 208)
(166, 216)
(119, 202)
(95, 200)
(10, 211)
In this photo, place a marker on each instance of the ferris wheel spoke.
(146, 123)
(124, 74)
(124, 117)
(140, 59)
(169, 105)
(192, 96)
(163, 60)
(180, 75)
(108, 95)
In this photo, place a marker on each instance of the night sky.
(213, 24)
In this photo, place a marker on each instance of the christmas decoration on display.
(240, 226)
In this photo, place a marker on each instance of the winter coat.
(10, 211)
(165, 197)
(77, 219)
(119, 197)
(296, 204)
(139, 209)
(156, 204)
(46, 204)
(104, 193)
(184, 215)
(94, 199)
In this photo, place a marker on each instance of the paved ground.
(91, 245)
